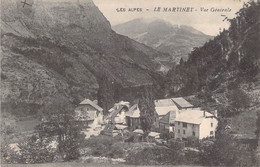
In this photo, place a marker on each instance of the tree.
(147, 110)
(258, 136)
(105, 93)
(32, 150)
(181, 62)
(61, 123)
(257, 132)
(238, 99)
(222, 152)
(226, 150)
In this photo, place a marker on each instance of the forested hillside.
(224, 75)
(227, 61)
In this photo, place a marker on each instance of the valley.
(76, 91)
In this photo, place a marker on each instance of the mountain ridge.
(176, 40)
(59, 50)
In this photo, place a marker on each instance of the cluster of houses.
(174, 118)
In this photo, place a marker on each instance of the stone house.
(194, 122)
(89, 114)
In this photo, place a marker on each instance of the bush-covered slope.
(227, 61)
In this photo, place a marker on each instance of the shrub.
(238, 99)
(226, 151)
(32, 151)
(193, 141)
(154, 155)
(61, 123)
(104, 146)
(117, 151)
(176, 145)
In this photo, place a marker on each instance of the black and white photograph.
(125, 83)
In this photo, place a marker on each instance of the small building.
(165, 109)
(117, 113)
(164, 106)
(152, 136)
(89, 113)
(138, 137)
(133, 117)
(193, 122)
(116, 120)
(166, 124)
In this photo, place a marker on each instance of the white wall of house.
(121, 118)
(208, 128)
(85, 109)
(182, 131)
(97, 121)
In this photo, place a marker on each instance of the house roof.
(115, 113)
(163, 106)
(120, 127)
(87, 101)
(181, 102)
(192, 116)
(169, 118)
(154, 134)
(125, 103)
(139, 131)
(133, 112)
(164, 110)
(163, 102)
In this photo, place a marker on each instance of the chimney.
(204, 113)
(216, 113)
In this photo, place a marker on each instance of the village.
(175, 119)
(177, 125)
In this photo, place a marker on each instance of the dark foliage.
(154, 156)
(226, 151)
(61, 123)
(106, 91)
(147, 110)
(258, 125)
(104, 146)
(232, 55)
(31, 151)
(239, 100)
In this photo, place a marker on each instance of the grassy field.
(75, 164)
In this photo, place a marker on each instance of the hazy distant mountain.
(176, 40)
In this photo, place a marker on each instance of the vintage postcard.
(130, 83)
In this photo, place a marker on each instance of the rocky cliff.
(59, 50)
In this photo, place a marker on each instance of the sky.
(208, 22)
